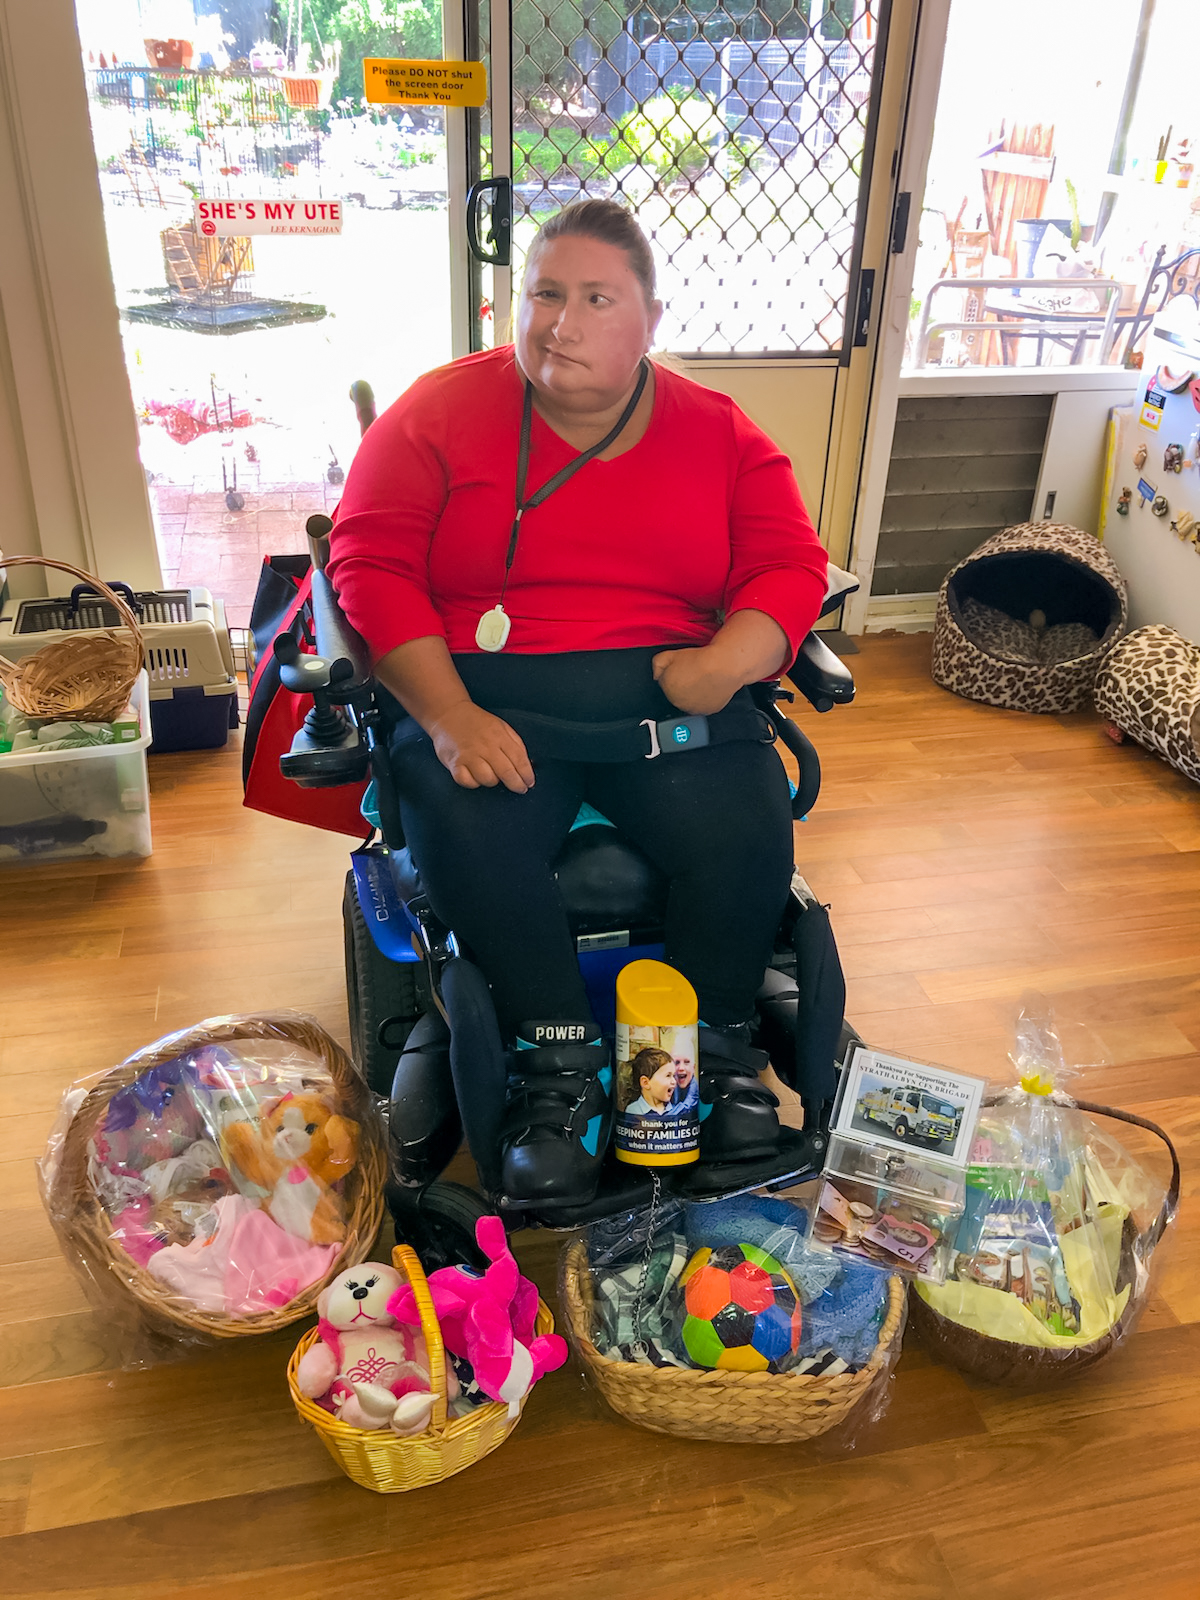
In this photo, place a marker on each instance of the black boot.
(738, 1113)
(559, 1117)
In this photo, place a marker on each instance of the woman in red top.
(561, 529)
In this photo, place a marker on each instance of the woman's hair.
(611, 223)
(649, 1061)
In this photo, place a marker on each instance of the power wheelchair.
(423, 1027)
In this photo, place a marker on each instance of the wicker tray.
(86, 1230)
(728, 1407)
(87, 677)
(379, 1459)
(1025, 1366)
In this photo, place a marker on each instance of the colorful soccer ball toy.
(742, 1312)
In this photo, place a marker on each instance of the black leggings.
(717, 822)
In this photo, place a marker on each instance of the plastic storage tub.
(59, 805)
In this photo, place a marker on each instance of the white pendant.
(493, 630)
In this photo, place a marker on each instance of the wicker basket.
(86, 678)
(1022, 1366)
(728, 1407)
(86, 1231)
(382, 1461)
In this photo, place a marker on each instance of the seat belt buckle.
(675, 734)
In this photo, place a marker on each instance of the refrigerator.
(1150, 518)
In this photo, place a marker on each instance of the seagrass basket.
(381, 1460)
(86, 1231)
(1021, 1366)
(86, 678)
(728, 1407)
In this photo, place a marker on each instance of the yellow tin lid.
(653, 994)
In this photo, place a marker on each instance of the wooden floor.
(968, 854)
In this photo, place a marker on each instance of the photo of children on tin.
(660, 1079)
(657, 1092)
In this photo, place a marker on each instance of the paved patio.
(201, 541)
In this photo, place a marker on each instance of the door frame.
(930, 22)
(69, 431)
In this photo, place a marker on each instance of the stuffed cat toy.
(298, 1149)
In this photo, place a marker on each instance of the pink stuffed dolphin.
(489, 1318)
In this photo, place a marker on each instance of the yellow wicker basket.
(88, 677)
(729, 1407)
(381, 1460)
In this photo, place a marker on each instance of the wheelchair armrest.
(336, 640)
(821, 678)
(839, 585)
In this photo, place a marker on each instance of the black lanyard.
(565, 473)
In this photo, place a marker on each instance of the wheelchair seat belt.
(557, 739)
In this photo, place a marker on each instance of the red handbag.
(274, 717)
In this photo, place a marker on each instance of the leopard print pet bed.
(1149, 688)
(1025, 621)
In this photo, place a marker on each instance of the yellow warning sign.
(424, 83)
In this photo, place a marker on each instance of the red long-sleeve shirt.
(702, 515)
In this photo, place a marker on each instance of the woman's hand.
(698, 681)
(749, 646)
(480, 750)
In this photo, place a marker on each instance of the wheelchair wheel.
(439, 1224)
(385, 998)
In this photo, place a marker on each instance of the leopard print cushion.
(1150, 688)
(999, 634)
(1008, 639)
(1059, 674)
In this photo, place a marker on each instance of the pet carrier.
(193, 687)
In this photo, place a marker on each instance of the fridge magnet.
(1185, 525)
(1147, 491)
(1159, 505)
(1123, 502)
(1139, 457)
(1173, 458)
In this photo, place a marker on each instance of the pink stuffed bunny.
(489, 1319)
(364, 1368)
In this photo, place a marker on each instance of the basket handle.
(1170, 1203)
(1171, 1199)
(123, 609)
(406, 1260)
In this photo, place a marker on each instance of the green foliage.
(1076, 226)
(673, 137)
(364, 28)
(543, 34)
(543, 154)
(837, 21)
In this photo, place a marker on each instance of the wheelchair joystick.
(326, 726)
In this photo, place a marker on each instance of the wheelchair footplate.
(798, 1158)
(625, 1188)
